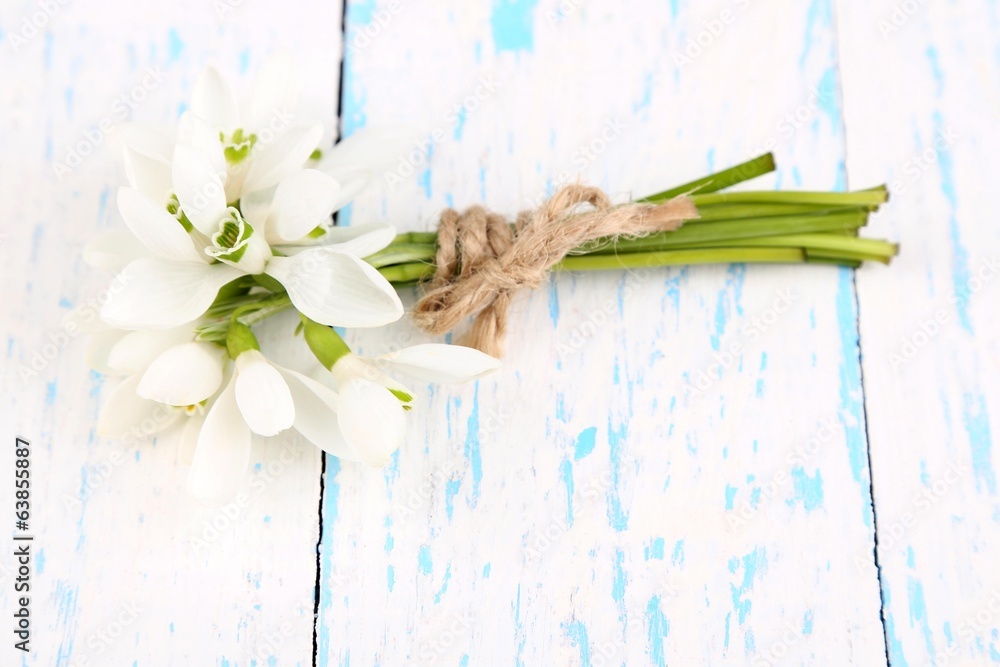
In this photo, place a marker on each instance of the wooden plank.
(920, 94)
(583, 506)
(119, 579)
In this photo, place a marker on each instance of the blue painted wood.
(924, 119)
(628, 489)
(130, 570)
(667, 469)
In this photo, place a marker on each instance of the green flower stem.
(264, 309)
(733, 227)
(720, 180)
(402, 253)
(743, 207)
(874, 197)
(834, 241)
(730, 232)
(674, 257)
(849, 263)
(419, 238)
(239, 339)
(756, 217)
(850, 255)
(712, 213)
(267, 282)
(853, 246)
(248, 311)
(407, 273)
(326, 344)
(820, 238)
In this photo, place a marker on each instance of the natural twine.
(482, 262)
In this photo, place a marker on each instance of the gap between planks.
(318, 591)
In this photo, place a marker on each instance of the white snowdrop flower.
(167, 376)
(185, 268)
(372, 405)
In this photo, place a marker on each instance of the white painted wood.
(920, 85)
(117, 580)
(582, 507)
(579, 507)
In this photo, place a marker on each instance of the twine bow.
(482, 262)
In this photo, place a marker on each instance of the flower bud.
(237, 244)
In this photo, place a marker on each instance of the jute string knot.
(482, 261)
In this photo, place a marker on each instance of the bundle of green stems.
(743, 226)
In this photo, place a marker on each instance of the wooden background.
(583, 506)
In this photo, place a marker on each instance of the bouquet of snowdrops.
(230, 222)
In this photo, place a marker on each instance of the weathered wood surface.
(120, 579)
(672, 466)
(920, 93)
(582, 506)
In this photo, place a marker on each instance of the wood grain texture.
(584, 506)
(119, 579)
(672, 466)
(920, 83)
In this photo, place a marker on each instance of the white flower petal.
(352, 367)
(222, 455)
(375, 148)
(256, 207)
(214, 101)
(275, 92)
(147, 140)
(262, 395)
(282, 156)
(336, 289)
(199, 189)
(184, 375)
(280, 348)
(316, 414)
(136, 350)
(369, 242)
(360, 240)
(150, 176)
(189, 437)
(99, 347)
(126, 414)
(302, 202)
(159, 294)
(352, 182)
(441, 363)
(159, 231)
(194, 132)
(372, 421)
(112, 251)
